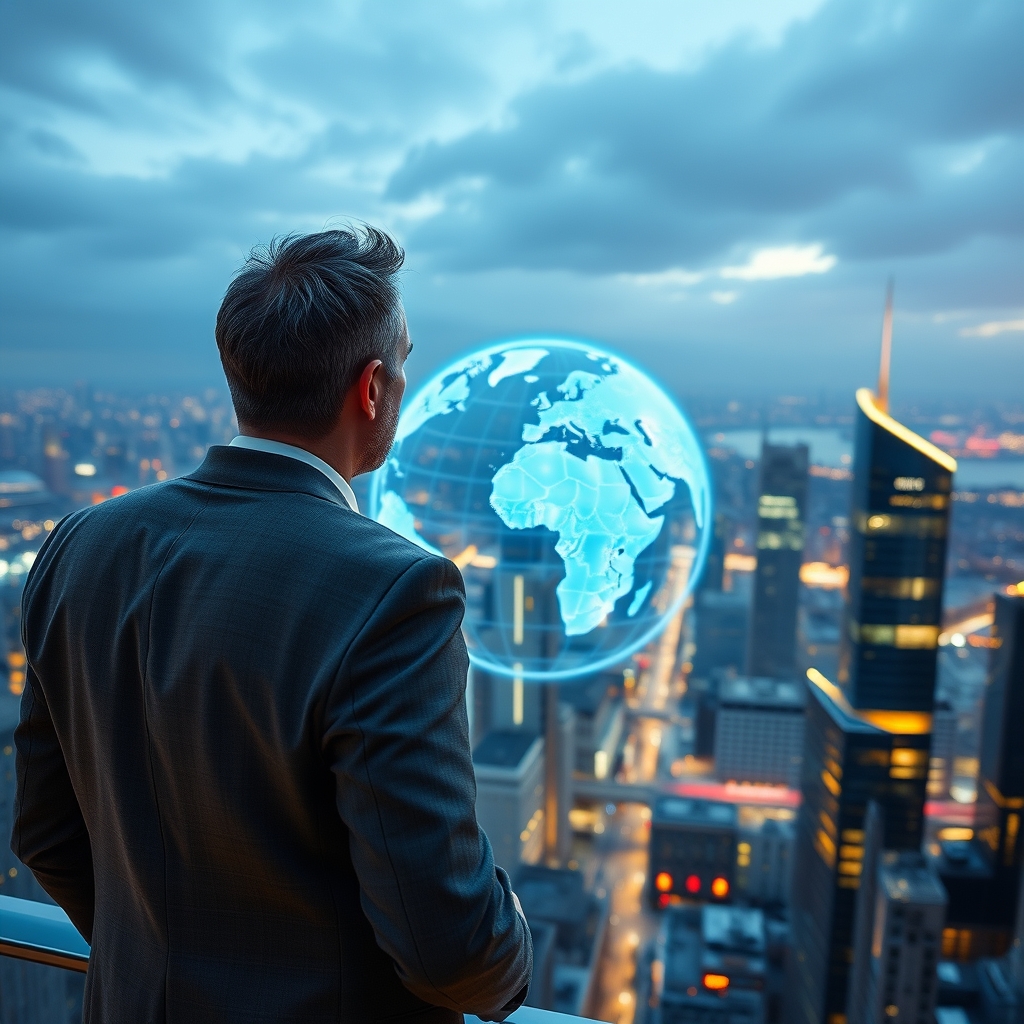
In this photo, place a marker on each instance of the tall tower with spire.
(882, 394)
(868, 738)
(902, 488)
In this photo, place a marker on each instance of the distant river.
(832, 447)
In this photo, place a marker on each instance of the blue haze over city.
(713, 536)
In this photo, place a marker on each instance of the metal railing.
(43, 934)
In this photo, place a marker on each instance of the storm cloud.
(697, 193)
(879, 129)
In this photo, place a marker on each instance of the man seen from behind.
(243, 759)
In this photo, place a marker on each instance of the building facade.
(1001, 766)
(850, 758)
(899, 981)
(572, 923)
(692, 851)
(709, 967)
(720, 636)
(759, 732)
(982, 875)
(599, 716)
(870, 737)
(899, 524)
(509, 770)
(781, 514)
(764, 856)
(940, 770)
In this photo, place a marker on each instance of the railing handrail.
(41, 933)
(44, 934)
(530, 1015)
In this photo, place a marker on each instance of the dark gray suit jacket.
(243, 761)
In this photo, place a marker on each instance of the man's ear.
(370, 388)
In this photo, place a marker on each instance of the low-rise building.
(764, 855)
(509, 770)
(759, 734)
(692, 850)
(709, 966)
(570, 923)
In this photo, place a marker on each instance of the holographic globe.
(569, 489)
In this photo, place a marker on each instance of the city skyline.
(621, 738)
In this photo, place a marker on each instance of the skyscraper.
(1001, 794)
(900, 516)
(909, 911)
(781, 510)
(870, 737)
(983, 875)
(850, 757)
(714, 564)
(1016, 957)
(858, 1007)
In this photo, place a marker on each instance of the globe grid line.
(460, 509)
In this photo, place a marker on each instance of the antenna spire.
(882, 395)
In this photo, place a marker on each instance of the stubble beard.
(383, 437)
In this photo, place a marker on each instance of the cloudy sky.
(718, 188)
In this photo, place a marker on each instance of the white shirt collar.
(263, 444)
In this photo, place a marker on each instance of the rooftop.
(700, 976)
(733, 928)
(907, 878)
(673, 810)
(503, 749)
(552, 894)
(761, 692)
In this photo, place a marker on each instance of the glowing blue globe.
(568, 488)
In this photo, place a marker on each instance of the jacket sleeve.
(49, 834)
(397, 740)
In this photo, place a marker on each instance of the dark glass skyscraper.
(714, 565)
(869, 738)
(983, 877)
(900, 516)
(781, 509)
(850, 757)
(1001, 793)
